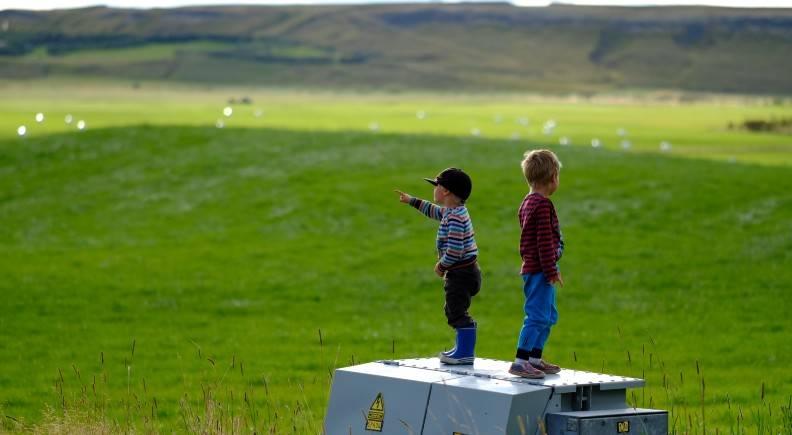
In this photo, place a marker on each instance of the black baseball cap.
(455, 180)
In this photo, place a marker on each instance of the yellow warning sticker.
(376, 414)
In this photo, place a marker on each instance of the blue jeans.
(540, 311)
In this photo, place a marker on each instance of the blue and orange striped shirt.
(456, 245)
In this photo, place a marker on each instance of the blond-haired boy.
(541, 246)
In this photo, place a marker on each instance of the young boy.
(541, 246)
(457, 252)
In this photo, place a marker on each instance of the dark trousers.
(460, 286)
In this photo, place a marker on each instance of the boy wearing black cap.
(457, 253)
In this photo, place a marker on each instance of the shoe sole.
(549, 371)
(528, 375)
(456, 361)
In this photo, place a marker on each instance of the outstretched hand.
(403, 197)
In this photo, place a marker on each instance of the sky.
(59, 4)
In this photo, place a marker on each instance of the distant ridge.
(475, 47)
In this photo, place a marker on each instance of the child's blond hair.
(540, 166)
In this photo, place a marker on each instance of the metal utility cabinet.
(424, 396)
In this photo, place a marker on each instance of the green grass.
(698, 128)
(221, 253)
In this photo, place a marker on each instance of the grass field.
(695, 125)
(155, 267)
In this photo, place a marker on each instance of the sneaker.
(526, 370)
(546, 367)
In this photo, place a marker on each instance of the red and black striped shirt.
(541, 244)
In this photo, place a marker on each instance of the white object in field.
(549, 126)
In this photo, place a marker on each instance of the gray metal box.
(608, 422)
(424, 396)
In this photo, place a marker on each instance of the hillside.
(430, 46)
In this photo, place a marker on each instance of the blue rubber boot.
(452, 350)
(463, 352)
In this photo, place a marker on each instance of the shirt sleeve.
(430, 210)
(544, 239)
